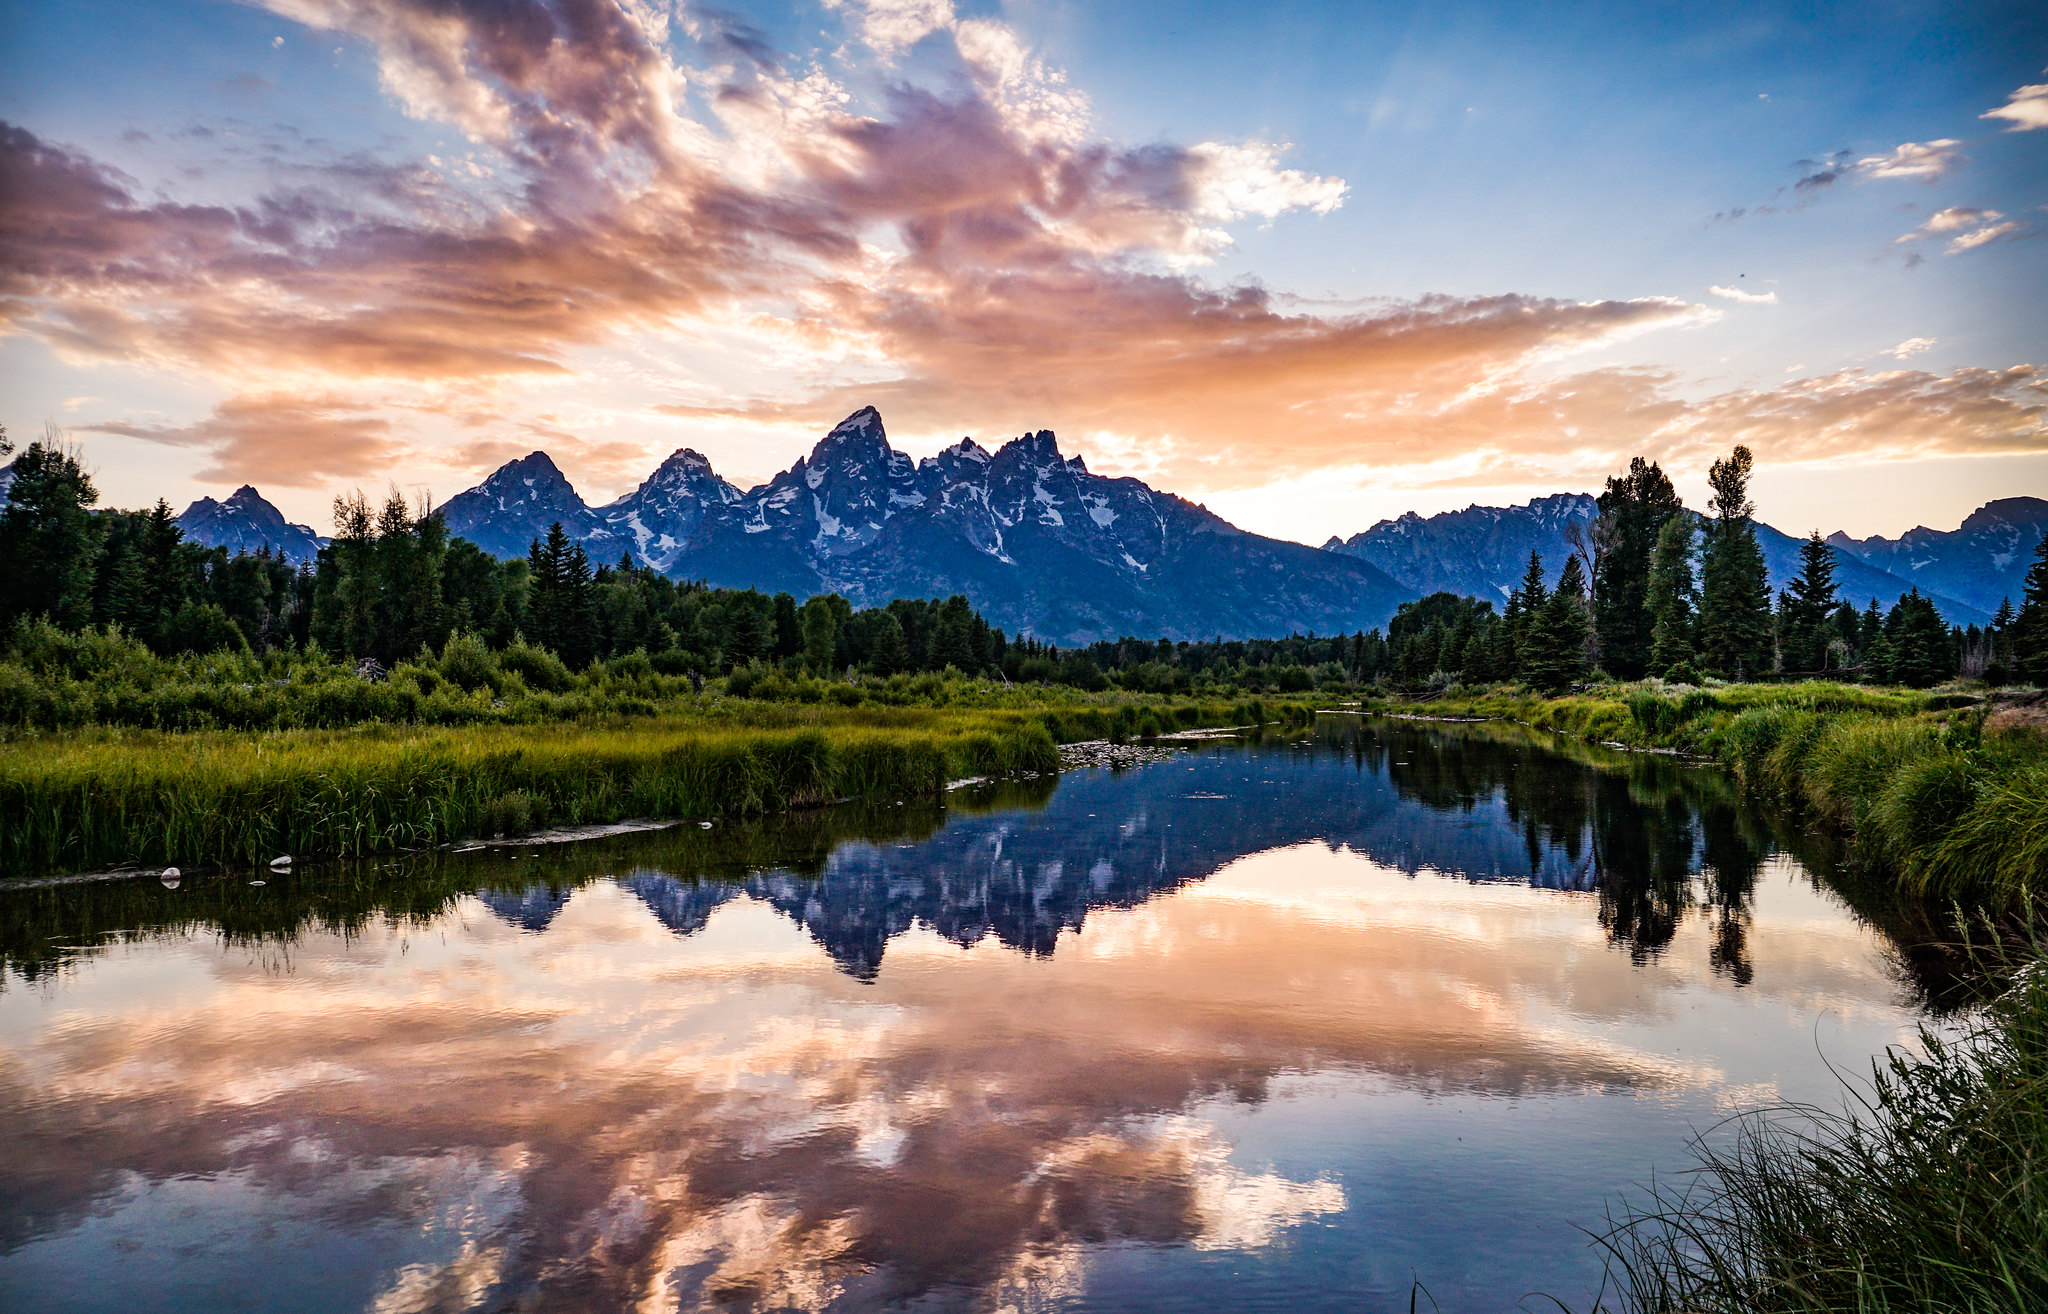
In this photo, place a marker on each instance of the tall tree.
(1633, 509)
(2030, 629)
(1671, 597)
(1554, 651)
(1917, 640)
(819, 626)
(49, 541)
(1805, 608)
(561, 604)
(1735, 602)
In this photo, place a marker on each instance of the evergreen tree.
(888, 652)
(789, 636)
(1877, 654)
(1734, 636)
(49, 539)
(1804, 609)
(1918, 649)
(1554, 651)
(561, 606)
(2030, 627)
(1671, 596)
(951, 643)
(1633, 510)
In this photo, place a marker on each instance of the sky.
(1313, 265)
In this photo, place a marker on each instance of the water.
(1280, 1025)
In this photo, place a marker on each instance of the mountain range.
(1043, 546)
(1482, 551)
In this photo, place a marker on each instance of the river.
(1289, 1023)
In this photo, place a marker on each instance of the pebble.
(1102, 753)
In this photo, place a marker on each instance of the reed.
(1929, 1194)
(200, 799)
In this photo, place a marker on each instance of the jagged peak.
(534, 462)
(246, 493)
(863, 427)
(967, 450)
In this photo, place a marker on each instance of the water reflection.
(1221, 1025)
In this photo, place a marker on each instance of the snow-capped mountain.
(1982, 562)
(6, 479)
(246, 522)
(1482, 551)
(1040, 544)
(506, 512)
(659, 520)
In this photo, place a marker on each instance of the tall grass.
(193, 800)
(1931, 1194)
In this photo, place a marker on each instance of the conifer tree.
(49, 539)
(1555, 650)
(1805, 608)
(2030, 627)
(1918, 649)
(1671, 596)
(950, 643)
(1633, 509)
(1734, 636)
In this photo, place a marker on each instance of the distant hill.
(1982, 562)
(1482, 551)
(245, 522)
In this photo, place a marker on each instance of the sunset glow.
(1313, 265)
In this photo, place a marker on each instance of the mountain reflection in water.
(1274, 1023)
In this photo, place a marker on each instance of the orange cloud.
(976, 257)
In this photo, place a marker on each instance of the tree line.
(1650, 588)
(393, 582)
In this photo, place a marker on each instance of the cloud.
(1972, 228)
(1748, 298)
(297, 442)
(1910, 347)
(1925, 161)
(962, 247)
(2026, 110)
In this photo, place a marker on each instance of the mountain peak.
(863, 428)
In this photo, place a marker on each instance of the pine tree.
(950, 643)
(2030, 628)
(1671, 596)
(1918, 648)
(1735, 603)
(49, 539)
(1555, 649)
(1805, 608)
(1633, 510)
(888, 652)
(561, 605)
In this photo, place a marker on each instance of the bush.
(536, 667)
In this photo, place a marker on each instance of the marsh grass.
(1930, 1193)
(199, 799)
(103, 798)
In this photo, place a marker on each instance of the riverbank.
(1929, 1192)
(1944, 799)
(103, 798)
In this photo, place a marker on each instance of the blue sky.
(1312, 264)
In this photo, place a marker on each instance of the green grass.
(1948, 812)
(107, 797)
(1930, 1194)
